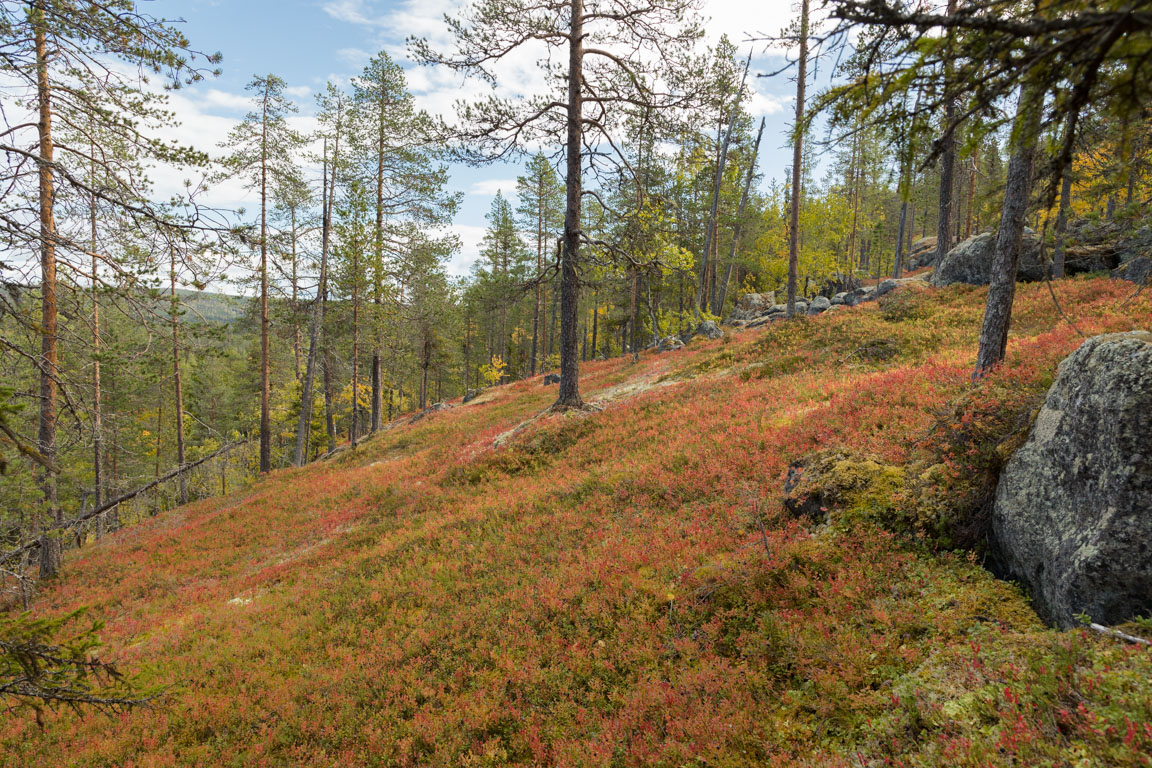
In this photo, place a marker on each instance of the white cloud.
(471, 237)
(491, 186)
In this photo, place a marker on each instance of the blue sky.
(308, 42)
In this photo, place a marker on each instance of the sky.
(311, 42)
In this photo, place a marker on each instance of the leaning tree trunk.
(797, 159)
(1006, 259)
(722, 295)
(569, 396)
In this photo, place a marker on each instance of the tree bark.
(97, 405)
(1062, 225)
(304, 425)
(947, 168)
(569, 395)
(797, 160)
(709, 266)
(53, 515)
(739, 229)
(265, 371)
(182, 481)
(1006, 259)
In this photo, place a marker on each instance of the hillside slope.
(625, 587)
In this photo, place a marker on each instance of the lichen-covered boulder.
(709, 330)
(755, 302)
(970, 262)
(669, 344)
(1073, 511)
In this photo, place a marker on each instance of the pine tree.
(262, 150)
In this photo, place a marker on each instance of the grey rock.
(859, 296)
(886, 287)
(1137, 270)
(1073, 511)
(818, 305)
(838, 299)
(669, 344)
(970, 262)
(709, 330)
(922, 253)
(471, 395)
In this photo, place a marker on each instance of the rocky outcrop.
(1138, 270)
(669, 344)
(1096, 246)
(970, 262)
(1073, 511)
(921, 254)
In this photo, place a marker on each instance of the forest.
(165, 351)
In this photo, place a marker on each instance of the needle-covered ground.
(625, 587)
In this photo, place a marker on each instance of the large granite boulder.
(818, 305)
(1073, 511)
(970, 262)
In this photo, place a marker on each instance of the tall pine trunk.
(182, 480)
(797, 160)
(265, 371)
(53, 515)
(97, 405)
(569, 395)
(947, 168)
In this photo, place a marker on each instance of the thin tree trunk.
(53, 515)
(378, 288)
(1062, 225)
(972, 192)
(1006, 259)
(538, 308)
(97, 405)
(296, 345)
(709, 266)
(182, 480)
(739, 229)
(898, 265)
(304, 425)
(355, 429)
(797, 159)
(265, 371)
(569, 395)
(632, 313)
(595, 320)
